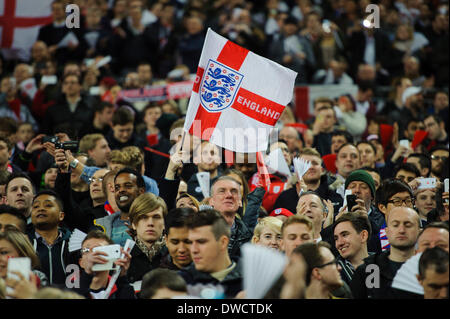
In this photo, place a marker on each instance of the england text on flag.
(237, 97)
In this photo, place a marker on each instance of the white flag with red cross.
(20, 21)
(237, 97)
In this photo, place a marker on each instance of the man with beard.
(315, 181)
(49, 240)
(322, 270)
(19, 192)
(413, 107)
(128, 184)
(207, 158)
(435, 126)
(373, 279)
(438, 156)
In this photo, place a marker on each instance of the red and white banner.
(20, 21)
(237, 97)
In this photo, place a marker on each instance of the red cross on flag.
(237, 97)
(20, 21)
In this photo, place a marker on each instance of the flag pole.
(182, 140)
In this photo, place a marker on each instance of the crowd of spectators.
(76, 155)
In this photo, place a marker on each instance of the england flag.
(237, 97)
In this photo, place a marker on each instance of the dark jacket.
(240, 234)
(74, 215)
(232, 283)
(193, 187)
(122, 289)
(54, 259)
(254, 201)
(60, 114)
(358, 285)
(134, 140)
(140, 264)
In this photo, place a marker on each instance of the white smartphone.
(427, 183)
(94, 90)
(113, 252)
(446, 185)
(21, 265)
(404, 143)
(49, 79)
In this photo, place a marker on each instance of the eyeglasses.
(398, 201)
(93, 179)
(85, 250)
(334, 261)
(439, 158)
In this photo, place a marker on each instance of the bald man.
(373, 279)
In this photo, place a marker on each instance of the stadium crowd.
(77, 155)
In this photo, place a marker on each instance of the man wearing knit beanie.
(361, 183)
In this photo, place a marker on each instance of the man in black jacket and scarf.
(209, 234)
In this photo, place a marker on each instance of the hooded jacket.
(54, 259)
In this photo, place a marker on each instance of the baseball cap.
(412, 90)
(281, 211)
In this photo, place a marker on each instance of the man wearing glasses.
(438, 156)
(391, 194)
(374, 278)
(322, 270)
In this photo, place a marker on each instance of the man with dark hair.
(19, 190)
(406, 172)
(101, 121)
(375, 173)
(162, 284)
(122, 133)
(209, 234)
(433, 273)
(12, 216)
(94, 283)
(226, 198)
(322, 270)
(50, 240)
(339, 138)
(439, 154)
(3, 180)
(351, 234)
(6, 150)
(176, 237)
(403, 226)
(322, 129)
(422, 162)
(368, 153)
(128, 185)
(391, 194)
(435, 127)
(72, 108)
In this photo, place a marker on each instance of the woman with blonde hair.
(146, 219)
(13, 244)
(268, 232)
(187, 200)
